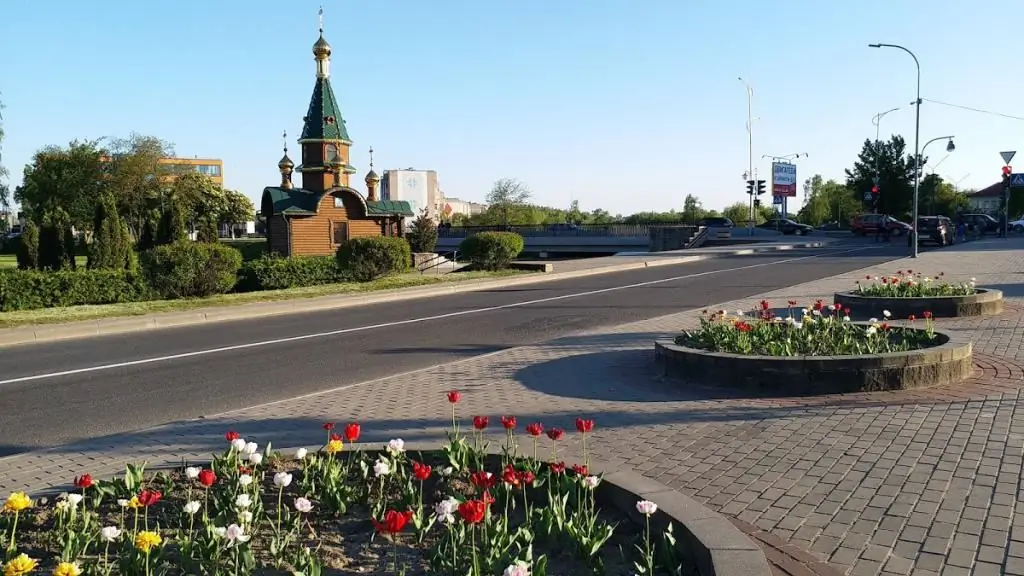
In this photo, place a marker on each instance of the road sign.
(1017, 180)
(777, 199)
(1007, 156)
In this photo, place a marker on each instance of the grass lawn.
(76, 313)
(11, 261)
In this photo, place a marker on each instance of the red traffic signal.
(1007, 170)
(874, 189)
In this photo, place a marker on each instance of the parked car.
(866, 224)
(1017, 225)
(937, 229)
(716, 222)
(982, 223)
(786, 226)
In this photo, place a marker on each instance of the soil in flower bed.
(350, 512)
(814, 330)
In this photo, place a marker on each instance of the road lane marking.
(289, 339)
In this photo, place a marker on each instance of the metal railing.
(698, 238)
(563, 230)
(439, 260)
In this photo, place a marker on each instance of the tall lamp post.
(917, 140)
(750, 145)
(950, 147)
(877, 121)
(786, 158)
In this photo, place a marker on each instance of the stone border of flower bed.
(985, 302)
(948, 363)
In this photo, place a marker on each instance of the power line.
(972, 109)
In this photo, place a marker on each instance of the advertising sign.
(412, 187)
(784, 179)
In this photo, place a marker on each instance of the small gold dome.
(372, 176)
(322, 49)
(286, 163)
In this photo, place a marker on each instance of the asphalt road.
(61, 392)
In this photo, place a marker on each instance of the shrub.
(423, 233)
(207, 231)
(374, 256)
(277, 273)
(191, 269)
(31, 289)
(56, 241)
(147, 239)
(172, 227)
(111, 246)
(28, 247)
(492, 250)
(250, 249)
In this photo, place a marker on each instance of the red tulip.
(328, 426)
(581, 470)
(394, 521)
(765, 305)
(352, 432)
(556, 433)
(527, 477)
(473, 511)
(911, 317)
(244, 470)
(334, 437)
(454, 396)
(207, 478)
(483, 480)
(479, 422)
(927, 315)
(535, 429)
(508, 422)
(510, 476)
(557, 467)
(149, 497)
(84, 481)
(584, 426)
(791, 303)
(420, 471)
(231, 436)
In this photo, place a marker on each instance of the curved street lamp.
(917, 140)
(950, 147)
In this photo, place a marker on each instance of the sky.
(625, 105)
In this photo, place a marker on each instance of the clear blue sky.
(626, 105)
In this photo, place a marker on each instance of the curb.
(39, 333)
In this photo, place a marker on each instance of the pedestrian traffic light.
(760, 187)
(750, 187)
(1007, 174)
(757, 202)
(874, 190)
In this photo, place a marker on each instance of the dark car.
(866, 224)
(786, 226)
(981, 223)
(937, 229)
(716, 222)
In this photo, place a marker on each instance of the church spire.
(286, 166)
(371, 180)
(322, 52)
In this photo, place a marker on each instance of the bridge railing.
(564, 230)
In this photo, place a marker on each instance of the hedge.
(189, 269)
(374, 256)
(250, 249)
(492, 250)
(277, 273)
(31, 289)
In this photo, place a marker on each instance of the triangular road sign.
(1007, 156)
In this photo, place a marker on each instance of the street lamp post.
(877, 121)
(917, 140)
(750, 146)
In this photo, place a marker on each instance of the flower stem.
(14, 530)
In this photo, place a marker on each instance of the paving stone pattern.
(922, 482)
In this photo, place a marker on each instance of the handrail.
(697, 238)
(438, 260)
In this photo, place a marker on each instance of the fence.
(562, 230)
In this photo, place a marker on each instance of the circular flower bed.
(817, 349)
(908, 293)
(252, 510)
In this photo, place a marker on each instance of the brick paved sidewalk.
(921, 482)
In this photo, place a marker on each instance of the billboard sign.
(783, 179)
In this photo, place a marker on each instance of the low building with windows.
(207, 166)
(987, 200)
(315, 218)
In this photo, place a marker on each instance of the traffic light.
(1007, 173)
(750, 187)
(760, 187)
(874, 190)
(757, 202)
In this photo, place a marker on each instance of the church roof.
(299, 202)
(323, 120)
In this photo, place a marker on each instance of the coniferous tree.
(173, 227)
(422, 234)
(111, 245)
(28, 247)
(207, 231)
(53, 244)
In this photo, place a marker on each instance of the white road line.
(263, 343)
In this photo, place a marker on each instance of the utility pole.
(750, 148)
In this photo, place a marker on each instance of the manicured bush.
(492, 250)
(31, 289)
(374, 256)
(277, 273)
(422, 234)
(111, 247)
(28, 247)
(172, 227)
(191, 269)
(56, 241)
(250, 249)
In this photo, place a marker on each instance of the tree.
(827, 201)
(71, 178)
(938, 197)
(172, 227)
(111, 243)
(895, 170)
(207, 230)
(738, 212)
(56, 241)
(507, 200)
(237, 208)
(573, 215)
(422, 235)
(138, 176)
(149, 231)
(28, 247)
(692, 209)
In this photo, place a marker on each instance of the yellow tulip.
(17, 502)
(334, 446)
(67, 569)
(134, 503)
(146, 540)
(20, 565)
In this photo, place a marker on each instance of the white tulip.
(250, 448)
(282, 479)
(396, 446)
(243, 501)
(255, 458)
(300, 454)
(192, 472)
(238, 444)
(245, 516)
(303, 505)
(244, 480)
(646, 507)
(74, 499)
(123, 503)
(110, 533)
(591, 482)
(381, 468)
(235, 534)
(192, 507)
(886, 313)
